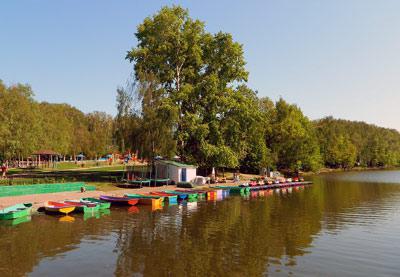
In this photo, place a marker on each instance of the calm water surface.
(344, 225)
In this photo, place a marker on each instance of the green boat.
(101, 204)
(200, 193)
(235, 189)
(16, 211)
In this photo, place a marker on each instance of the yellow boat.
(58, 207)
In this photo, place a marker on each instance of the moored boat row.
(154, 199)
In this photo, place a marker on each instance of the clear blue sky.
(339, 58)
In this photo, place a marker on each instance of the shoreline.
(326, 170)
(38, 200)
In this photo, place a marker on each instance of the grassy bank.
(104, 178)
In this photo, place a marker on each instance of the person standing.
(3, 171)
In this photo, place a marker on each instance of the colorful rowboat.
(139, 195)
(58, 207)
(16, 211)
(146, 200)
(200, 193)
(235, 189)
(278, 185)
(171, 198)
(189, 195)
(169, 195)
(83, 207)
(102, 204)
(119, 200)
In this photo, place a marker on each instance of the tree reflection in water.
(237, 236)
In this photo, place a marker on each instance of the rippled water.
(343, 225)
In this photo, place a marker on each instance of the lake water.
(346, 224)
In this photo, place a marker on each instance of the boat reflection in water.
(16, 221)
(67, 218)
(97, 214)
(191, 206)
(305, 231)
(133, 210)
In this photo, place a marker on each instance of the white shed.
(175, 171)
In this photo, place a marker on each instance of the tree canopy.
(28, 126)
(189, 97)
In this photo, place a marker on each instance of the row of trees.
(27, 126)
(190, 98)
(258, 133)
(346, 143)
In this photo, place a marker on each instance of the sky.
(332, 58)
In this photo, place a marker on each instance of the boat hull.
(82, 207)
(183, 195)
(102, 204)
(150, 201)
(172, 198)
(59, 210)
(16, 211)
(119, 200)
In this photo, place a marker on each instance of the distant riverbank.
(326, 170)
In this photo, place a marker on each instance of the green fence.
(42, 188)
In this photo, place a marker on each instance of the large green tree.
(19, 117)
(199, 75)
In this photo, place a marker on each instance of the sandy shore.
(39, 199)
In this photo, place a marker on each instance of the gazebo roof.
(46, 152)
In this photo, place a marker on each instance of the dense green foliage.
(189, 97)
(200, 93)
(28, 126)
(346, 143)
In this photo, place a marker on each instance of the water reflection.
(307, 230)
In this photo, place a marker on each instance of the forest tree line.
(275, 135)
(28, 126)
(189, 98)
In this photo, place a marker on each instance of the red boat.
(253, 184)
(58, 207)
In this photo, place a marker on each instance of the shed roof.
(46, 152)
(174, 163)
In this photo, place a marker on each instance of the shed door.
(183, 175)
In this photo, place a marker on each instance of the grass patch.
(107, 168)
(104, 186)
